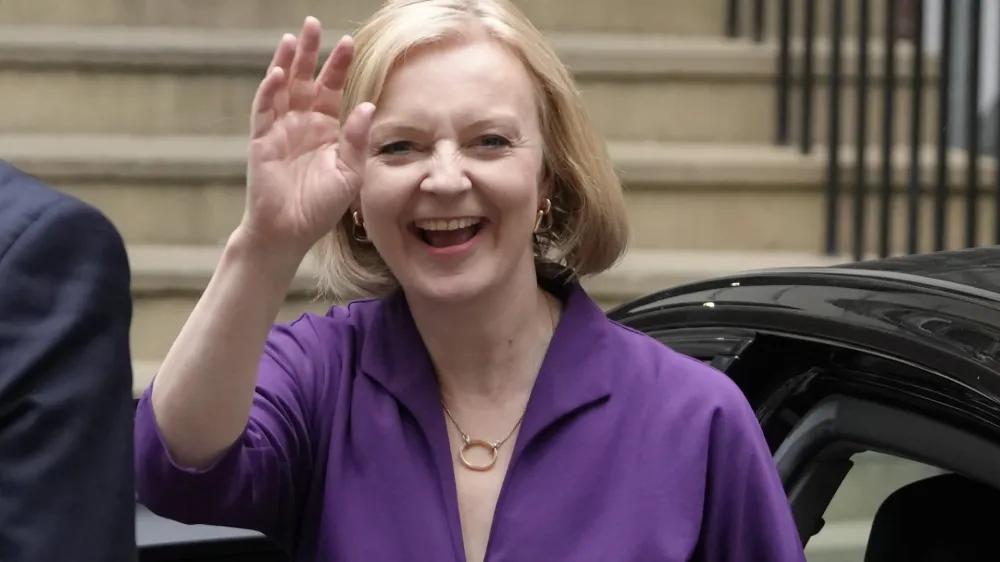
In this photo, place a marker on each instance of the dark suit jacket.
(66, 409)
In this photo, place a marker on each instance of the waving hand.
(305, 162)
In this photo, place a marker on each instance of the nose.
(446, 174)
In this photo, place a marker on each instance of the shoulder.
(35, 217)
(24, 195)
(314, 357)
(21, 190)
(321, 342)
(674, 387)
(656, 368)
(311, 331)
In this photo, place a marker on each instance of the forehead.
(459, 77)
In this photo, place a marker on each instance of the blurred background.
(748, 134)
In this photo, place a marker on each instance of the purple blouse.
(628, 451)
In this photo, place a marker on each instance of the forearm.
(204, 389)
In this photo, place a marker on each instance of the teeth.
(446, 224)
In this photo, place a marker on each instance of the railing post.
(944, 110)
(996, 153)
(833, 129)
(808, 76)
(784, 71)
(860, 170)
(732, 18)
(759, 16)
(888, 107)
(915, 186)
(972, 125)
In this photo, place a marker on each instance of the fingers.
(354, 142)
(265, 110)
(284, 53)
(330, 82)
(282, 59)
(303, 68)
(289, 83)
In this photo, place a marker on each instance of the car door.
(847, 427)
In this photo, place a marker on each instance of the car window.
(849, 516)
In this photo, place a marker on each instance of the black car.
(877, 385)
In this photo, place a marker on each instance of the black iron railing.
(796, 24)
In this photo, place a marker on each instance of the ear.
(354, 210)
(546, 184)
(355, 206)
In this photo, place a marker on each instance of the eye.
(395, 148)
(494, 141)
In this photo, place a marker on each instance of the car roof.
(940, 311)
(976, 268)
(969, 274)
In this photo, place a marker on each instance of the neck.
(492, 348)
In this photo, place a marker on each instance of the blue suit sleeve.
(66, 402)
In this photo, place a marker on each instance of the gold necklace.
(493, 447)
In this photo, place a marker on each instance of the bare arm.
(303, 173)
(229, 439)
(203, 392)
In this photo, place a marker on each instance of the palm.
(304, 168)
(295, 176)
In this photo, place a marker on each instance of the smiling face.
(452, 184)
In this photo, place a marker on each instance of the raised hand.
(305, 164)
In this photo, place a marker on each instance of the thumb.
(354, 143)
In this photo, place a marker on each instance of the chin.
(456, 287)
(465, 271)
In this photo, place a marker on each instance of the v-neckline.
(395, 357)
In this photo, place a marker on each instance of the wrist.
(271, 260)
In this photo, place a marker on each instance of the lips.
(447, 232)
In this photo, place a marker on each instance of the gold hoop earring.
(359, 225)
(544, 213)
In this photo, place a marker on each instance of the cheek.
(386, 192)
(510, 184)
(515, 204)
(381, 206)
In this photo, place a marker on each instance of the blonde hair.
(589, 224)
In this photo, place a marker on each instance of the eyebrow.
(496, 120)
(399, 126)
(387, 128)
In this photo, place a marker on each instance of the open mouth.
(445, 233)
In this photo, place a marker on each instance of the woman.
(473, 403)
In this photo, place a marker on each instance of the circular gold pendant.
(473, 443)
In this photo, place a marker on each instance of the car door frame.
(852, 381)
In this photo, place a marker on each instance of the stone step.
(189, 189)
(167, 281)
(189, 81)
(688, 17)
